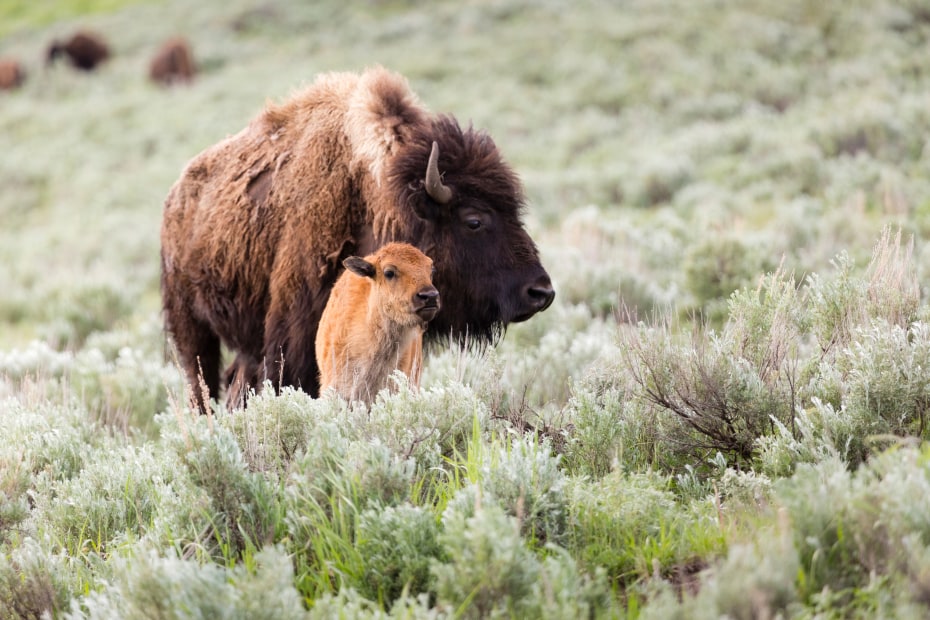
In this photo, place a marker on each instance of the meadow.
(723, 414)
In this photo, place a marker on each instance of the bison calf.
(374, 321)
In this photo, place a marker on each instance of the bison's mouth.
(526, 316)
(537, 298)
(428, 312)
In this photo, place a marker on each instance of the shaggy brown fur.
(85, 50)
(374, 321)
(173, 63)
(255, 231)
(12, 74)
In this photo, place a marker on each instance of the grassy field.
(723, 413)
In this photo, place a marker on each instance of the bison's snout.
(426, 303)
(536, 297)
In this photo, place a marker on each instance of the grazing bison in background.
(12, 74)
(374, 321)
(172, 63)
(85, 50)
(256, 229)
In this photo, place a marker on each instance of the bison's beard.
(480, 330)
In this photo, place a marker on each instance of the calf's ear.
(359, 266)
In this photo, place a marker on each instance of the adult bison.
(173, 63)
(12, 74)
(84, 49)
(256, 228)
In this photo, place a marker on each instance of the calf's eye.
(389, 274)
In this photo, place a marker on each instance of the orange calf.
(374, 321)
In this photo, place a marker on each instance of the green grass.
(21, 15)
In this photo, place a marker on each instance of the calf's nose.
(428, 296)
(426, 302)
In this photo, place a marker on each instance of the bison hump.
(383, 115)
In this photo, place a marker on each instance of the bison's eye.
(389, 273)
(473, 223)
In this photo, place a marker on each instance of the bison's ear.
(359, 266)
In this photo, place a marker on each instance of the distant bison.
(374, 321)
(172, 63)
(12, 74)
(256, 229)
(85, 50)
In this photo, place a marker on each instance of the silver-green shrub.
(632, 526)
(48, 439)
(397, 545)
(717, 267)
(489, 572)
(75, 313)
(34, 584)
(242, 506)
(720, 400)
(275, 430)
(563, 590)
(328, 488)
(597, 413)
(348, 603)
(150, 585)
(864, 529)
(122, 493)
(755, 580)
(837, 304)
(425, 425)
(122, 387)
(525, 479)
(522, 477)
(874, 391)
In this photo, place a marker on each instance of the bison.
(374, 321)
(85, 50)
(12, 74)
(257, 227)
(172, 63)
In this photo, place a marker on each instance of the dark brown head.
(401, 283)
(465, 206)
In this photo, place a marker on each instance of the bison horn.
(434, 187)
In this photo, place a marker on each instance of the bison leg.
(293, 363)
(241, 376)
(290, 345)
(199, 353)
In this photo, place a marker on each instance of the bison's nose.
(540, 294)
(427, 303)
(536, 297)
